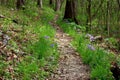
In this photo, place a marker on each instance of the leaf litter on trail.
(70, 66)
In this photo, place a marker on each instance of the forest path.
(70, 65)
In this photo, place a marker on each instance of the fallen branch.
(1, 16)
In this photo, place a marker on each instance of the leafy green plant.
(28, 70)
(76, 27)
(101, 73)
(33, 38)
(97, 59)
(41, 48)
(2, 67)
(112, 43)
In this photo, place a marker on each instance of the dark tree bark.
(118, 1)
(20, 3)
(70, 10)
(51, 2)
(89, 13)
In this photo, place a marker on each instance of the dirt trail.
(70, 64)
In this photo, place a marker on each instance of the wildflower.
(6, 37)
(52, 45)
(46, 37)
(5, 42)
(90, 47)
(92, 39)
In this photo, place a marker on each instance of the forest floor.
(28, 48)
(70, 66)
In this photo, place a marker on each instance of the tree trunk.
(89, 14)
(3, 2)
(39, 3)
(51, 2)
(108, 19)
(57, 5)
(118, 1)
(61, 4)
(19, 4)
(70, 10)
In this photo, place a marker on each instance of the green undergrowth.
(44, 55)
(97, 58)
(35, 37)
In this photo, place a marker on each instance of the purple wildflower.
(52, 45)
(6, 37)
(90, 47)
(5, 41)
(92, 39)
(46, 37)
